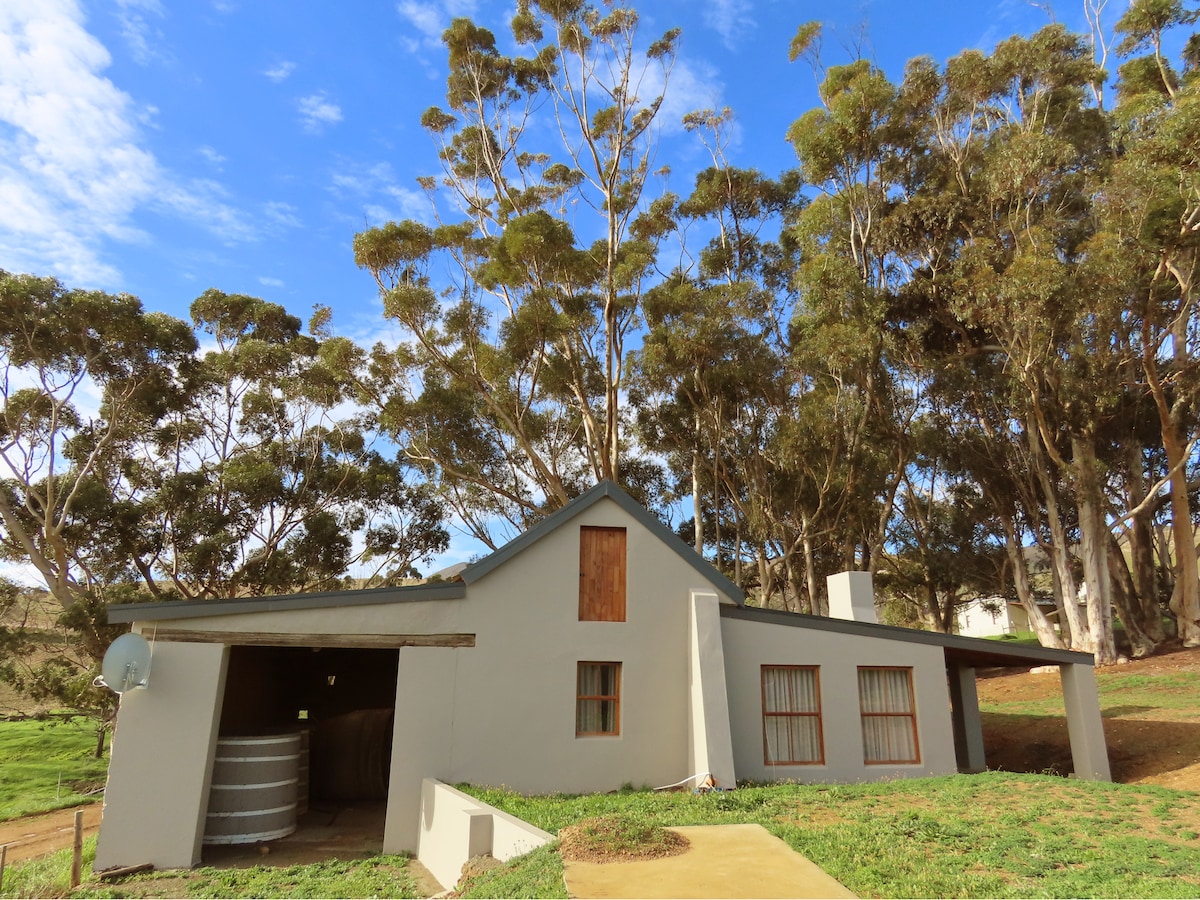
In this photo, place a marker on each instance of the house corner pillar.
(1089, 750)
(968, 724)
(710, 741)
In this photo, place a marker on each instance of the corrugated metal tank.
(254, 788)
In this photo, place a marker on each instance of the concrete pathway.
(723, 861)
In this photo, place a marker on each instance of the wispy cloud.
(280, 72)
(73, 172)
(381, 196)
(211, 155)
(265, 281)
(694, 85)
(282, 214)
(732, 19)
(144, 38)
(317, 111)
(432, 17)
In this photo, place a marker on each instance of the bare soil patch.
(1146, 745)
(34, 836)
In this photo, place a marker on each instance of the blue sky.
(162, 148)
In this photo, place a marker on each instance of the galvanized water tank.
(253, 793)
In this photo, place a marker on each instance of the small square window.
(598, 698)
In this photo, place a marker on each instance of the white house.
(593, 651)
(995, 616)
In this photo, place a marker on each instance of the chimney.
(852, 596)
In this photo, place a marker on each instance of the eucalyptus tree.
(1021, 150)
(1153, 218)
(519, 303)
(711, 384)
(267, 481)
(853, 378)
(84, 373)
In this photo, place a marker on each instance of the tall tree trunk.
(697, 505)
(1066, 593)
(1185, 598)
(816, 604)
(1094, 538)
(1124, 596)
(1041, 625)
(1141, 550)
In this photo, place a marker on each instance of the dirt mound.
(618, 839)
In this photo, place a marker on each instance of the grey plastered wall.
(422, 739)
(503, 711)
(750, 645)
(157, 793)
(514, 702)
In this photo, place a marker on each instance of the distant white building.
(991, 616)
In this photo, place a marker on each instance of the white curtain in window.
(791, 738)
(889, 727)
(596, 716)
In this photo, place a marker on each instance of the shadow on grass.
(1137, 748)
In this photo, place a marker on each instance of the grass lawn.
(380, 876)
(991, 835)
(47, 764)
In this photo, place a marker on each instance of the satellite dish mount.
(126, 664)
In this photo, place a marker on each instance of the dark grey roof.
(964, 650)
(583, 502)
(195, 609)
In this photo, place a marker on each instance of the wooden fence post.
(77, 855)
(3, 855)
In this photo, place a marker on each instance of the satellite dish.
(126, 663)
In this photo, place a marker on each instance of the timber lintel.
(277, 639)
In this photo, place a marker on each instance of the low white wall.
(456, 827)
(751, 645)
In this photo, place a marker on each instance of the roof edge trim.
(1047, 655)
(584, 501)
(197, 609)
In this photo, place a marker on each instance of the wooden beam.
(277, 639)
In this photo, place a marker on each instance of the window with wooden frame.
(791, 707)
(889, 715)
(598, 699)
(601, 574)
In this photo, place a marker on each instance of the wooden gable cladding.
(601, 574)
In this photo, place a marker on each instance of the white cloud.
(691, 86)
(432, 17)
(731, 19)
(316, 111)
(73, 173)
(281, 71)
(270, 282)
(145, 40)
(282, 214)
(211, 155)
(382, 197)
